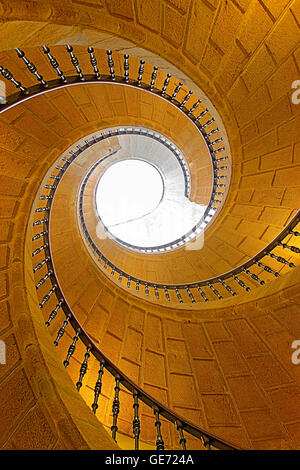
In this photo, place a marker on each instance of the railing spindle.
(115, 408)
(159, 440)
(83, 367)
(54, 64)
(182, 440)
(71, 349)
(136, 421)
(98, 387)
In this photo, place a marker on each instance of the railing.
(207, 439)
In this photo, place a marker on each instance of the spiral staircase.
(178, 345)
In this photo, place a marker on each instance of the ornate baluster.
(39, 235)
(156, 292)
(61, 331)
(45, 198)
(167, 294)
(254, 276)
(166, 83)
(110, 64)
(106, 263)
(186, 98)
(190, 295)
(221, 159)
(241, 283)
(54, 64)
(215, 291)
(212, 132)
(141, 71)
(294, 249)
(146, 289)
(115, 409)
(153, 77)
(206, 442)
(227, 287)
(50, 186)
(202, 293)
(71, 349)
(178, 295)
(136, 421)
(75, 62)
(217, 141)
(9, 76)
(126, 67)
(47, 296)
(137, 287)
(54, 313)
(41, 264)
(39, 222)
(38, 250)
(128, 282)
(61, 168)
(159, 440)
(83, 367)
(195, 106)
(282, 260)
(120, 276)
(113, 270)
(55, 177)
(42, 209)
(98, 387)
(94, 62)
(182, 440)
(44, 279)
(31, 67)
(295, 233)
(201, 115)
(267, 268)
(176, 91)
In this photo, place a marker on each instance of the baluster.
(50, 186)
(212, 132)
(178, 295)
(106, 263)
(202, 293)
(215, 291)
(267, 268)
(167, 293)
(45, 198)
(146, 289)
(220, 185)
(115, 409)
(71, 349)
(195, 106)
(98, 387)
(295, 233)
(47, 296)
(176, 91)
(141, 71)
(54, 64)
(38, 250)
(120, 276)
(110, 64)
(254, 276)
(41, 264)
(182, 440)
(9, 76)
(31, 67)
(128, 282)
(136, 422)
(113, 271)
(241, 283)
(185, 99)
(83, 367)
(39, 235)
(227, 287)
(156, 292)
(44, 279)
(166, 83)
(210, 121)
(39, 222)
(159, 441)
(42, 209)
(221, 159)
(94, 62)
(61, 331)
(190, 295)
(153, 77)
(54, 313)
(55, 177)
(137, 287)
(126, 67)
(206, 442)
(217, 141)
(75, 62)
(282, 260)
(294, 249)
(61, 168)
